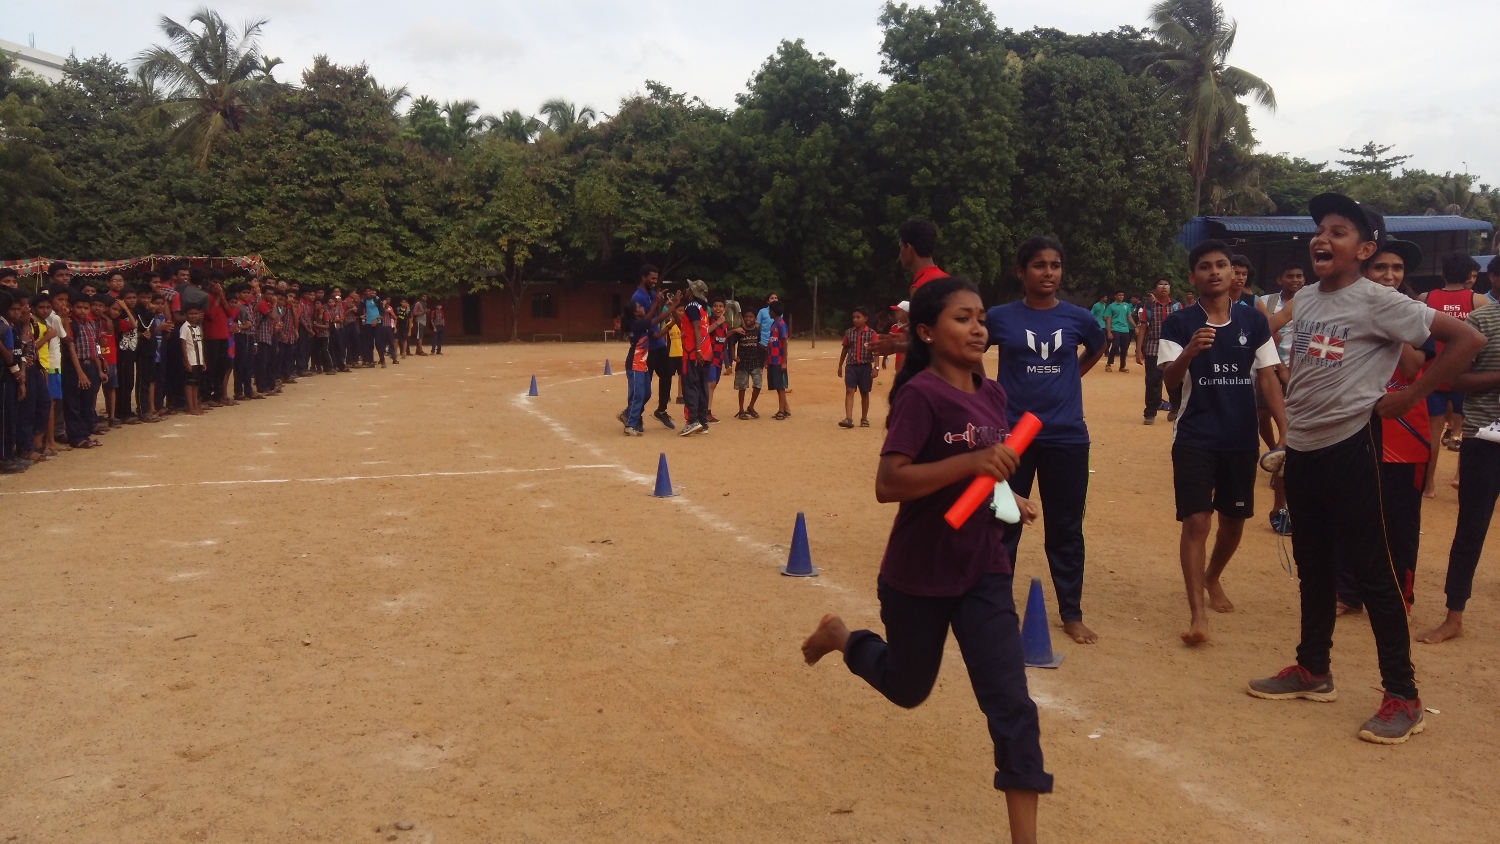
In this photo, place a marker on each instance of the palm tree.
(268, 64)
(1198, 38)
(211, 76)
(513, 126)
(1451, 196)
(563, 117)
(461, 122)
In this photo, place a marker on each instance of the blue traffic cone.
(663, 480)
(1036, 635)
(606, 367)
(532, 391)
(799, 559)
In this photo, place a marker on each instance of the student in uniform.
(933, 577)
(1479, 461)
(1216, 352)
(1445, 407)
(1349, 332)
(1041, 371)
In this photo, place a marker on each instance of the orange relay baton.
(982, 486)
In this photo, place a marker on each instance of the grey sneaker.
(1294, 682)
(1398, 720)
(632, 432)
(665, 418)
(690, 428)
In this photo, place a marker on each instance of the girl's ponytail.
(926, 306)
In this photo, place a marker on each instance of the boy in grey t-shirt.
(1348, 334)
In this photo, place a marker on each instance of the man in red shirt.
(918, 242)
(216, 320)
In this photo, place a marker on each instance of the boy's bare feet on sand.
(1080, 634)
(1341, 609)
(1451, 628)
(1217, 600)
(830, 636)
(1197, 632)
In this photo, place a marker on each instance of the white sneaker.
(1489, 432)
(690, 428)
(632, 432)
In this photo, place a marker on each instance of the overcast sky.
(1424, 76)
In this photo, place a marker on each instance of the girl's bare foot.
(1080, 634)
(1451, 628)
(1429, 493)
(830, 636)
(1217, 600)
(1197, 632)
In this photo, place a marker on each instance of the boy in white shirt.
(193, 367)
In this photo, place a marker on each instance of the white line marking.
(333, 480)
(773, 553)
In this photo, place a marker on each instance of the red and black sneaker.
(1397, 720)
(1295, 682)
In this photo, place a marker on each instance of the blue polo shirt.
(1039, 365)
(764, 318)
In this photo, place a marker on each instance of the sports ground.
(417, 605)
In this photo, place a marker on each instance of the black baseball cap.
(1370, 222)
(1411, 254)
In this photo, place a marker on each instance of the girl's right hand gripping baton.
(983, 485)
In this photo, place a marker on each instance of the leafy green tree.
(323, 190)
(1371, 158)
(565, 118)
(125, 193)
(510, 213)
(944, 130)
(1101, 168)
(212, 76)
(28, 172)
(1198, 37)
(800, 191)
(662, 154)
(514, 126)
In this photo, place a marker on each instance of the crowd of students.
(1335, 376)
(84, 357)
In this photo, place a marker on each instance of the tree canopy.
(994, 134)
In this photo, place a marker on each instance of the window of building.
(542, 306)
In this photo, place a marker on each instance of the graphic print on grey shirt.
(1344, 348)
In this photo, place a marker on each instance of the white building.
(45, 65)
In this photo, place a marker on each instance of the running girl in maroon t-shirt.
(946, 425)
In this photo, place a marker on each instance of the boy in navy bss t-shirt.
(1216, 351)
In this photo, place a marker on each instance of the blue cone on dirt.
(663, 480)
(606, 367)
(1036, 633)
(799, 559)
(532, 391)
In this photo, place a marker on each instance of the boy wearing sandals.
(858, 374)
(776, 359)
(750, 360)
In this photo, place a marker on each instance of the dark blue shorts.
(1439, 400)
(859, 376)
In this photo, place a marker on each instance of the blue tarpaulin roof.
(1484, 262)
(1394, 225)
(1199, 229)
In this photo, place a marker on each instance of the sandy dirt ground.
(414, 605)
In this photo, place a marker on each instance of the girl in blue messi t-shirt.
(1042, 373)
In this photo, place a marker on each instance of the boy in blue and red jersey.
(776, 358)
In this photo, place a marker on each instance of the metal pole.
(815, 313)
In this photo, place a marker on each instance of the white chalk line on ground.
(773, 553)
(328, 480)
(1168, 761)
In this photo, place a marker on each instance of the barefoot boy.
(193, 364)
(1216, 352)
(750, 359)
(776, 360)
(1348, 336)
